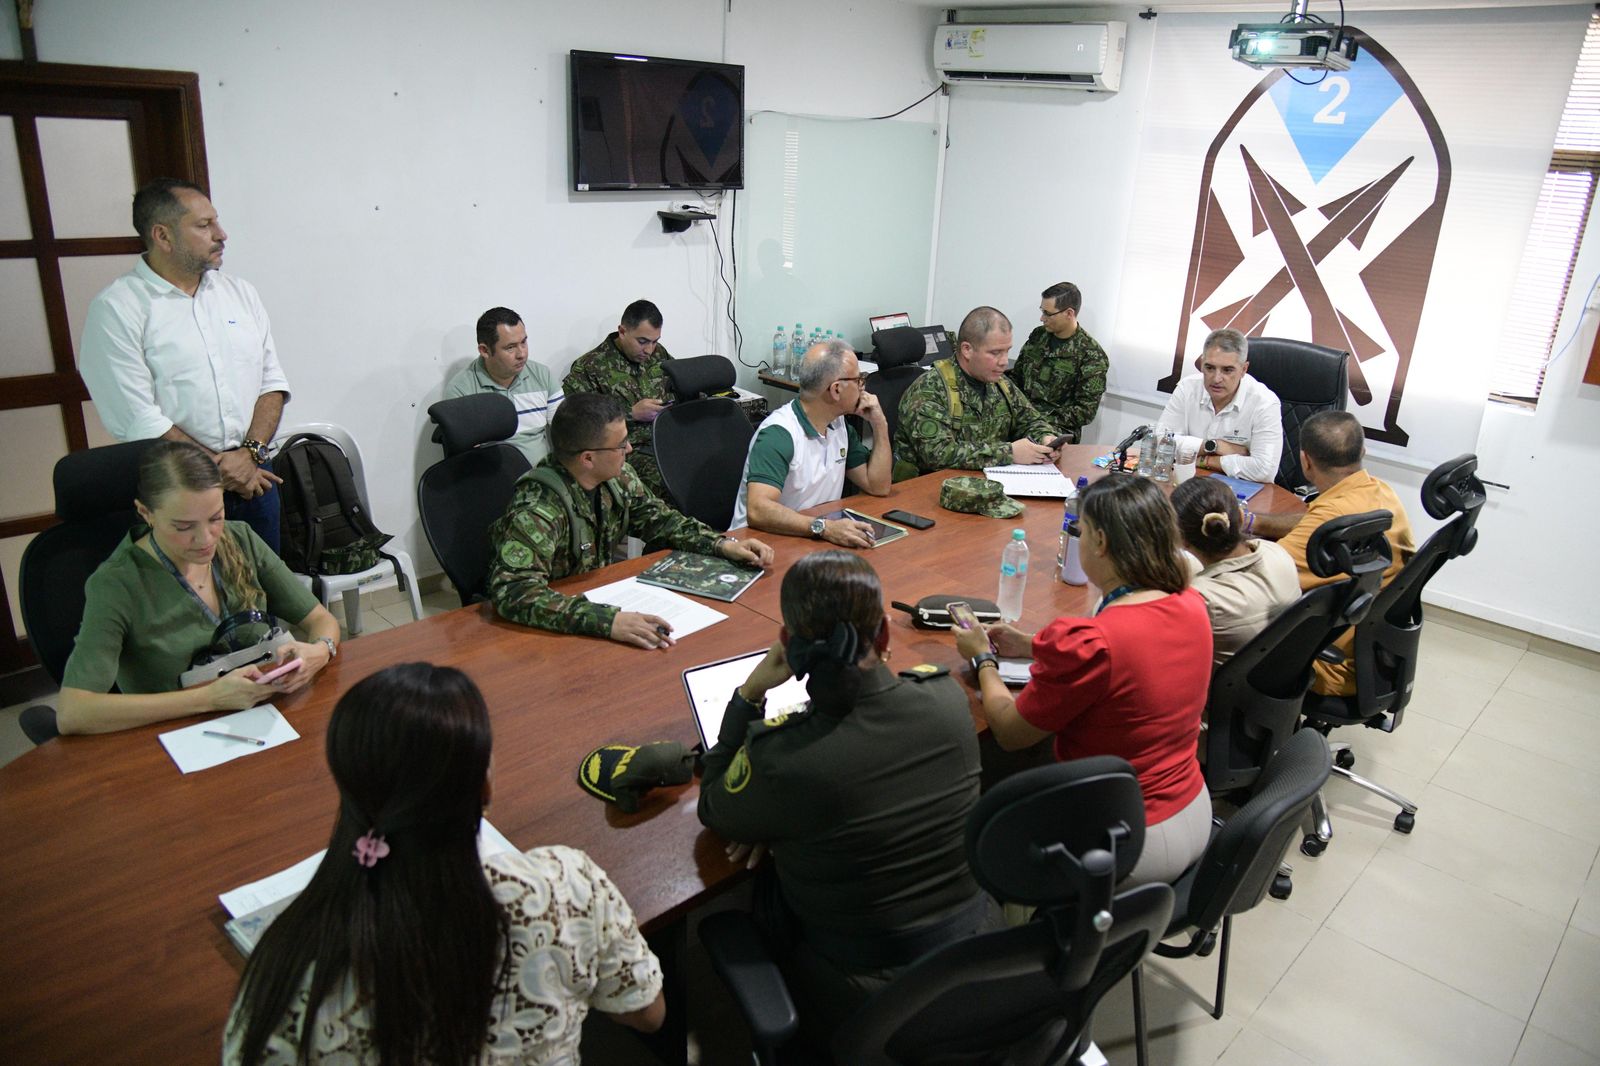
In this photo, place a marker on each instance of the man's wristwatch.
(818, 527)
(985, 657)
(333, 649)
(258, 451)
(1209, 446)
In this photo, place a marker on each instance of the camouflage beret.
(977, 495)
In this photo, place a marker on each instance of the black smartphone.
(906, 518)
(1065, 438)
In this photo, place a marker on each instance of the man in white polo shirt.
(1230, 422)
(176, 349)
(803, 451)
(503, 366)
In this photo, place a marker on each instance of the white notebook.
(1041, 480)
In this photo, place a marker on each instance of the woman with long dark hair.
(406, 947)
(1244, 581)
(862, 798)
(160, 597)
(1130, 680)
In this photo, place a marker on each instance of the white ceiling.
(1352, 7)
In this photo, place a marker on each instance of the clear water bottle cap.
(1017, 534)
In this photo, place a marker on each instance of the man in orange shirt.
(1332, 446)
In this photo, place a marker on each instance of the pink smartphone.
(961, 614)
(287, 668)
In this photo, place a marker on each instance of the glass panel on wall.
(14, 224)
(25, 339)
(95, 429)
(82, 278)
(11, 549)
(31, 439)
(88, 169)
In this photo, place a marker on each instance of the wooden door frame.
(162, 108)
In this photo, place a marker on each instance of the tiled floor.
(1474, 940)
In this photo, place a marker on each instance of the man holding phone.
(803, 451)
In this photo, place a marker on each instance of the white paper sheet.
(1015, 671)
(192, 750)
(1022, 480)
(257, 894)
(684, 615)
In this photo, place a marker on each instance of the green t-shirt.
(140, 628)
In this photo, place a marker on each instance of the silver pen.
(234, 736)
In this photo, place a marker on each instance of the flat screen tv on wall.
(643, 122)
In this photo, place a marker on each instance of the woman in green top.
(160, 596)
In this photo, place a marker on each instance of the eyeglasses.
(860, 380)
(624, 446)
(1051, 314)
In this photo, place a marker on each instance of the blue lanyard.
(1116, 594)
(216, 575)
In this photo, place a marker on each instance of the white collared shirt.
(154, 357)
(1252, 418)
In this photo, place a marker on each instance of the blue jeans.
(262, 513)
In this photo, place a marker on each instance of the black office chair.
(898, 353)
(1254, 703)
(1386, 641)
(459, 496)
(1307, 378)
(1058, 837)
(1240, 864)
(94, 500)
(701, 440)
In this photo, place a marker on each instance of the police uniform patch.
(738, 774)
(516, 554)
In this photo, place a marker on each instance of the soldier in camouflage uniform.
(963, 414)
(630, 364)
(569, 512)
(1061, 368)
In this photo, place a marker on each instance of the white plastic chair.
(350, 586)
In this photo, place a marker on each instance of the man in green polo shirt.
(1061, 368)
(805, 449)
(630, 364)
(503, 366)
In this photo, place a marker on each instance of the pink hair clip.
(370, 848)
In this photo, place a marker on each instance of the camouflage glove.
(622, 774)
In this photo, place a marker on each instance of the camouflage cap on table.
(977, 495)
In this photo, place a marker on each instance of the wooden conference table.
(111, 940)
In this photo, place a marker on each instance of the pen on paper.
(234, 736)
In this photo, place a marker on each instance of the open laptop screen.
(710, 687)
(889, 321)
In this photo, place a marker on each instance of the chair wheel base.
(1404, 822)
(1344, 759)
(1281, 887)
(1314, 845)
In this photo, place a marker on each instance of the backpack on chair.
(325, 528)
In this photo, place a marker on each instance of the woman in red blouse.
(1130, 680)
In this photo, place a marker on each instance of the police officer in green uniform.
(964, 414)
(569, 512)
(862, 799)
(630, 364)
(1061, 368)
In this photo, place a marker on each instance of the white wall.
(388, 170)
(1039, 188)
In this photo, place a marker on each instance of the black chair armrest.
(733, 941)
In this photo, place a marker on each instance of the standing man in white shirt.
(175, 349)
(803, 451)
(1230, 422)
(503, 366)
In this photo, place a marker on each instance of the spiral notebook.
(1041, 480)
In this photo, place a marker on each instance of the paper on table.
(192, 750)
(684, 615)
(1015, 671)
(1019, 479)
(267, 891)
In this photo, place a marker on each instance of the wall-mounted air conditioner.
(1063, 55)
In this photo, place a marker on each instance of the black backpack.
(325, 529)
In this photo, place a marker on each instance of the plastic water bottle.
(780, 352)
(1147, 454)
(1166, 449)
(797, 349)
(1013, 576)
(1072, 564)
